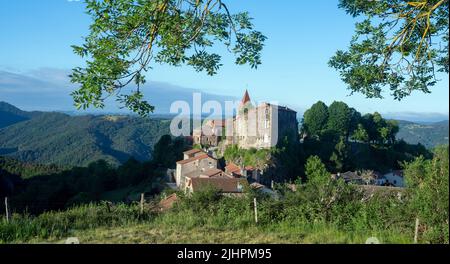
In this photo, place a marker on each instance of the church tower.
(246, 98)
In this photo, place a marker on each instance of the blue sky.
(302, 35)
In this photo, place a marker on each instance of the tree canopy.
(398, 44)
(127, 37)
(341, 121)
(316, 118)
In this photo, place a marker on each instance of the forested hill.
(10, 115)
(430, 135)
(55, 138)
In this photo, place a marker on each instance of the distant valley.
(56, 138)
(61, 139)
(429, 135)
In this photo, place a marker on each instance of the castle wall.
(264, 126)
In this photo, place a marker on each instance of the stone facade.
(213, 135)
(263, 126)
(194, 165)
(258, 127)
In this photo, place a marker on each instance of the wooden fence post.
(7, 209)
(142, 203)
(256, 210)
(416, 231)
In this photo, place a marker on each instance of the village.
(201, 166)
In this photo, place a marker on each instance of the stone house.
(192, 153)
(248, 172)
(195, 163)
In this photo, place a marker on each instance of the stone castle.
(259, 127)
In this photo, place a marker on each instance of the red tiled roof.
(200, 157)
(233, 168)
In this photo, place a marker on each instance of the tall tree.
(315, 119)
(339, 118)
(370, 127)
(127, 37)
(355, 119)
(399, 44)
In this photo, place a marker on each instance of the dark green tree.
(128, 37)
(339, 119)
(316, 119)
(355, 119)
(340, 155)
(168, 151)
(370, 127)
(398, 44)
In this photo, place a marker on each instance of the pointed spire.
(246, 98)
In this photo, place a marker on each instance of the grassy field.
(91, 225)
(150, 233)
(157, 234)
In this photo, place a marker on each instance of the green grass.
(152, 233)
(123, 225)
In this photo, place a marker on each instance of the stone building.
(195, 163)
(198, 170)
(259, 127)
(213, 135)
(262, 126)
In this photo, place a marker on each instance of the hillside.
(10, 115)
(55, 138)
(429, 135)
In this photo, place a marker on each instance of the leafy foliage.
(350, 141)
(428, 183)
(339, 118)
(127, 36)
(398, 44)
(317, 206)
(316, 119)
